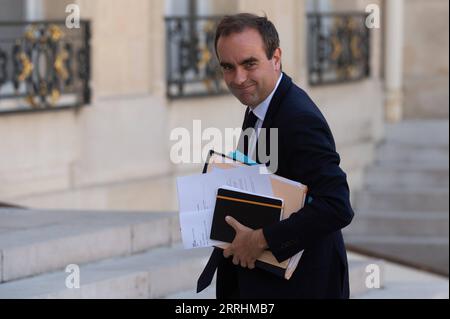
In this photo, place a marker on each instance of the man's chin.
(247, 101)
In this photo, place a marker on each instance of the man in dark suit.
(247, 47)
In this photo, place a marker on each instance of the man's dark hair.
(239, 22)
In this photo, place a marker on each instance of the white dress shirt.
(260, 111)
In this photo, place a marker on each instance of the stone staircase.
(119, 254)
(402, 213)
(357, 277)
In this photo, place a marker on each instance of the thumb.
(233, 223)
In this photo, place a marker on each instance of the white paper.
(198, 192)
(197, 199)
(196, 229)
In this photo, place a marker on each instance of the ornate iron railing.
(192, 68)
(338, 47)
(44, 66)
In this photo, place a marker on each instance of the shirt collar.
(261, 109)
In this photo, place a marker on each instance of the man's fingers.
(243, 264)
(235, 260)
(227, 253)
(251, 265)
(233, 223)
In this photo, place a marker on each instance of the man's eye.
(250, 64)
(226, 67)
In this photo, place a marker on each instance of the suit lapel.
(274, 106)
(275, 103)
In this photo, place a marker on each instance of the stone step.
(400, 282)
(416, 165)
(357, 278)
(400, 224)
(415, 290)
(429, 253)
(406, 177)
(422, 156)
(400, 199)
(152, 274)
(419, 132)
(405, 150)
(208, 293)
(34, 242)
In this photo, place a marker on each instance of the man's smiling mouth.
(246, 88)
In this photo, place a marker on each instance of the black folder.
(252, 210)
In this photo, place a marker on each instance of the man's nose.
(240, 76)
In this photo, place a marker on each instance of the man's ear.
(277, 59)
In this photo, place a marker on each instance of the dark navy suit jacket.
(307, 154)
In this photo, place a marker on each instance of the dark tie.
(244, 140)
(208, 272)
(249, 120)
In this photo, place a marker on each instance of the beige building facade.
(115, 152)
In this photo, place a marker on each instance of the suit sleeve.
(314, 162)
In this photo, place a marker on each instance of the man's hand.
(247, 246)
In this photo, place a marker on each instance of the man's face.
(249, 75)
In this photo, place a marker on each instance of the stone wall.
(114, 153)
(426, 59)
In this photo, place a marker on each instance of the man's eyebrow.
(245, 61)
(225, 64)
(249, 60)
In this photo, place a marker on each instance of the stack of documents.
(197, 196)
